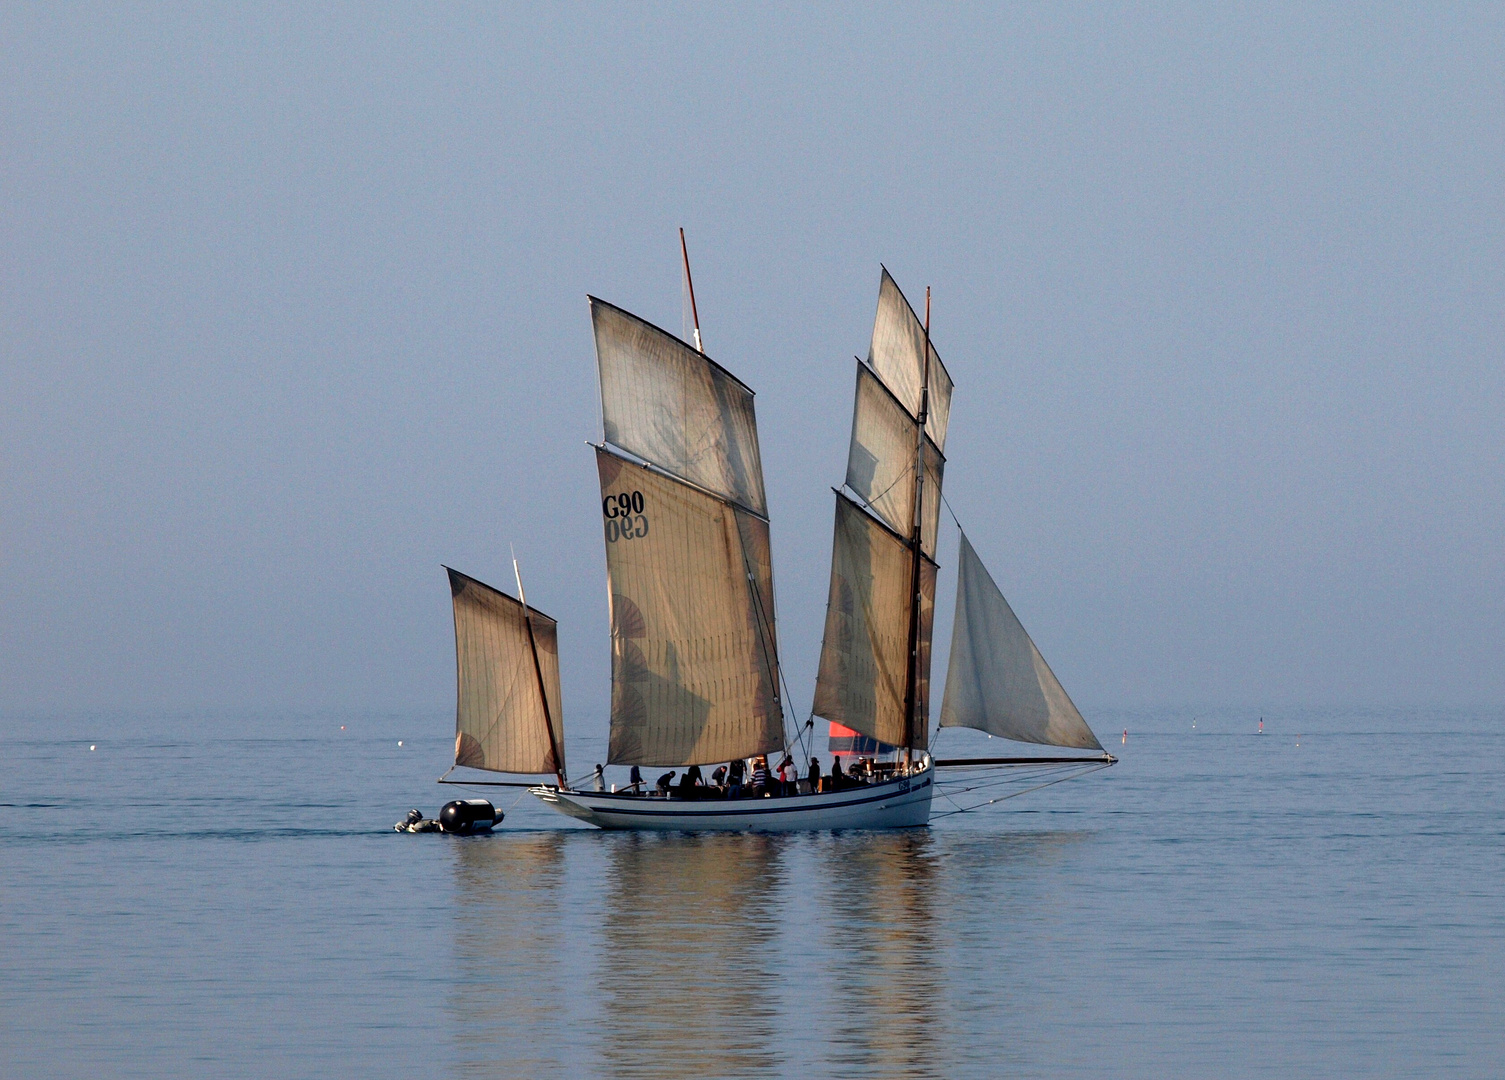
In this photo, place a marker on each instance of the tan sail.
(862, 658)
(881, 461)
(669, 404)
(694, 650)
(500, 720)
(997, 681)
(897, 354)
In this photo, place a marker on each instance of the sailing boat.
(695, 661)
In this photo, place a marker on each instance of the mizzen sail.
(694, 656)
(502, 721)
(997, 681)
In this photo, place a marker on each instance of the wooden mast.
(912, 679)
(690, 284)
(543, 693)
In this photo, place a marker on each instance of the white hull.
(894, 804)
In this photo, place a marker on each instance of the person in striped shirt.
(760, 776)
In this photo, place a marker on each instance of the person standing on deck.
(735, 771)
(784, 765)
(814, 775)
(760, 777)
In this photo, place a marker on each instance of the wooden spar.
(912, 677)
(975, 763)
(543, 693)
(690, 283)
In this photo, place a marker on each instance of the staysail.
(695, 670)
(876, 610)
(502, 720)
(997, 681)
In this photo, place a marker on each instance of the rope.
(946, 503)
(765, 631)
(1015, 794)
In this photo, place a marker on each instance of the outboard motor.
(466, 816)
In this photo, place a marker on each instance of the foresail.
(997, 681)
(881, 461)
(693, 646)
(862, 658)
(500, 721)
(897, 354)
(671, 405)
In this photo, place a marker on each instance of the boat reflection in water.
(509, 998)
(692, 954)
(883, 978)
(742, 954)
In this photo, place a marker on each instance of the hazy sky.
(293, 310)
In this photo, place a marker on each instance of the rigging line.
(1011, 778)
(991, 785)
(950, 511)
(1002, 798)
(764, 620)
(976, 788)
(959, 808)
(1026, 791)
(962, 789)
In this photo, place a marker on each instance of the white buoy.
(91, 745)
(399, 741)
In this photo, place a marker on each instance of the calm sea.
(225, 897)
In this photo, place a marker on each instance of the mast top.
(690, 285)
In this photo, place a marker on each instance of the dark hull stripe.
(739, 811)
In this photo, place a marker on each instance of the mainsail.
(861, 682)
(694, 650)
(502, 720)
(876, 610)
(997, 680)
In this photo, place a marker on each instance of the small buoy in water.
(1261, 725)
(1126, 730)
(342, 726)
(91, 745)
(399, 741)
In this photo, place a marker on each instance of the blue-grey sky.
(294, 310)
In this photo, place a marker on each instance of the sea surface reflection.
(856, 954)
(1219, 904)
